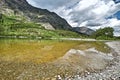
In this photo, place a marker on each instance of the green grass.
(16, 26)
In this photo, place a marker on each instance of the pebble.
(110, 73)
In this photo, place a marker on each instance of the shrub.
(105, 33)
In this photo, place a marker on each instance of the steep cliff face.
(21, 7)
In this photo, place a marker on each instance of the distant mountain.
(83, 30)
(49, 20)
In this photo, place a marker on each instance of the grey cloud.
(50, 4)
(94, 15)
(93, 24)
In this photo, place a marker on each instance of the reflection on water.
(31, 50)
(38, 60)
(42, 51)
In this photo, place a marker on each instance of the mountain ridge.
(43, 16)
(83, 30)
(49, 20)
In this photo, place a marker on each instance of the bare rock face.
(83, 30)
(37, 15)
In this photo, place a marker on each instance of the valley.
(37, 44)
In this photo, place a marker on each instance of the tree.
(1, 23)
(1, 18)
(104, 33)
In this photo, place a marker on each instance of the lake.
(38, 59)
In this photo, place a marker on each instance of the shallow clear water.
(33, 50)
(38, 59)
(40, 51)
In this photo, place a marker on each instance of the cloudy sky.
(91, 13)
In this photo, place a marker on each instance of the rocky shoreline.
(76, 64)
(112, 72)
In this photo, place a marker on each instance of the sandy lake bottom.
(45, 59)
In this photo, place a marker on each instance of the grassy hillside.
(18, 27)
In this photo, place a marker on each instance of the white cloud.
(113, 22)
(51, 4)
(91, 13)
(85, 4)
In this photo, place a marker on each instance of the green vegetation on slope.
(18, 27)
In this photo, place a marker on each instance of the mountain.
(49, 20)
(18, 19)
(83, 30)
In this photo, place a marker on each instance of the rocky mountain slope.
(83, 30)
(28, 13)
(42, 16)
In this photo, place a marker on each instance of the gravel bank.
(110, 73)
